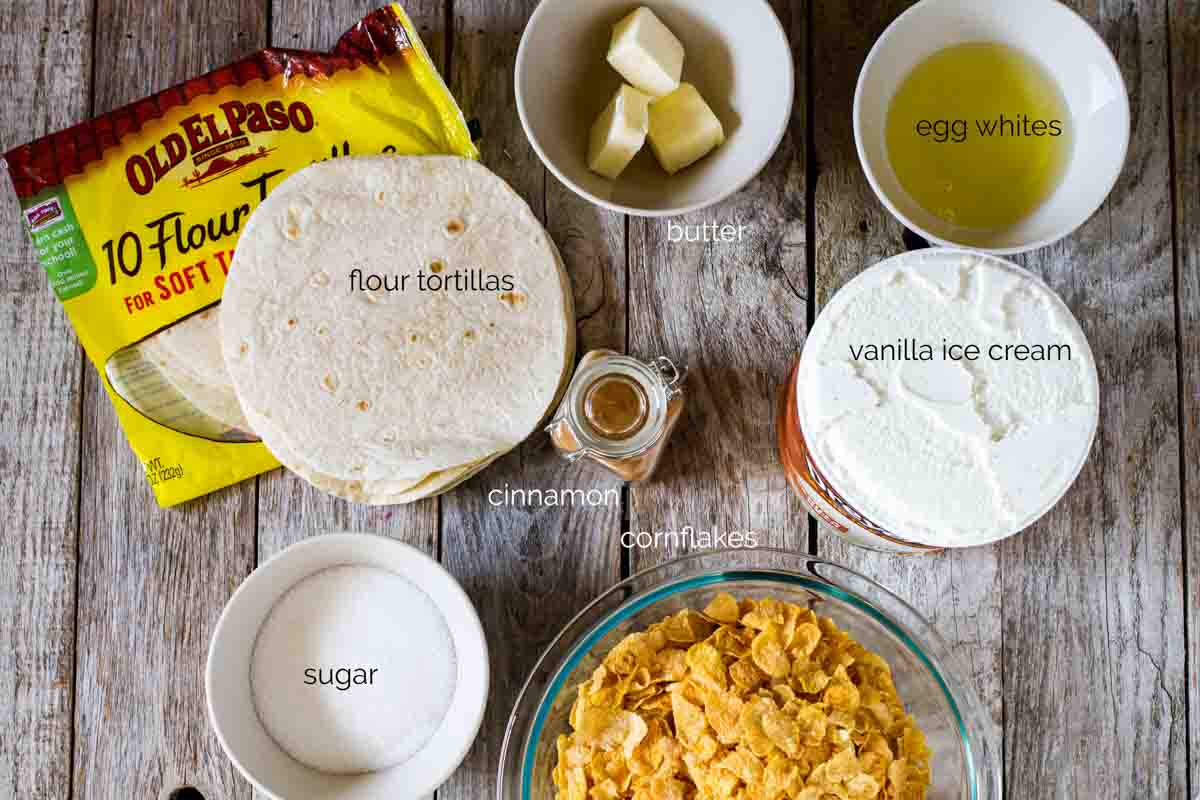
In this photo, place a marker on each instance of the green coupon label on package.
(59, 243)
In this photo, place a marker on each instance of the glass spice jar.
(619, 411)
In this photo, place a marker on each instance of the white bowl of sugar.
(348, 667)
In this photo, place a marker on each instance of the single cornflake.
(723, 609)
(768, 653)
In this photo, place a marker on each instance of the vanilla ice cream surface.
(949, 397)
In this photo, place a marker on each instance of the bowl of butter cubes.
(658, 109)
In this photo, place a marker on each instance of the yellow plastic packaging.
(135, 216)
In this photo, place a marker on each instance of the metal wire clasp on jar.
(619, 411)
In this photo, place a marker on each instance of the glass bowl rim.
(958, 693)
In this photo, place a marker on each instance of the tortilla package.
(135, 216)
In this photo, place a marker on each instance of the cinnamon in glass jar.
(619, 411)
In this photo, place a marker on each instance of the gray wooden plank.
(46, 58)
(312, 25)
(1184, 23)
(529, 569)
(288, 508)
(736, 314)
(958, 592)
(1093, 612)
(153, 582)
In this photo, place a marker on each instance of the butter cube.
(619, 132)
(646, 53)
(683, 129)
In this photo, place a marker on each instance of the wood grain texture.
(958, 592)
(736, 315)
(46, 69)
(529, 569)
(289, 509)
(153, 582)
(1093, 611)
(313, 25)
(1184, 24)
(1083, 616)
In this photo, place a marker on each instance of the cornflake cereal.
(757, 700)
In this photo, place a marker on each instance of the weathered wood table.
(1076, 632)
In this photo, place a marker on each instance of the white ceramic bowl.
(227, 680)
(1072, 52)
(737, 55)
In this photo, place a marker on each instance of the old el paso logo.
(209, 136)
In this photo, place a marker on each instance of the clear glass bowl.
(931, 682)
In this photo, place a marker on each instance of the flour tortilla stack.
(375, 493)
(388, 396)
(188, 355)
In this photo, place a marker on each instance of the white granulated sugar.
(945, 452)
(353, 618)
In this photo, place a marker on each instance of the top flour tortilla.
(394, 385)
